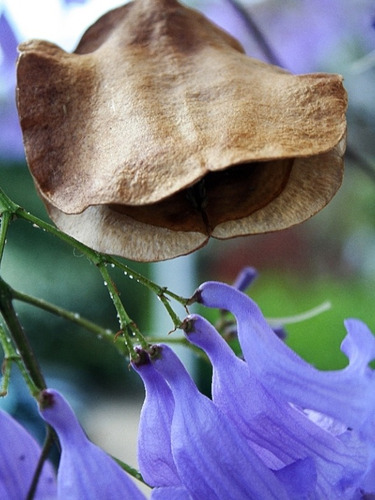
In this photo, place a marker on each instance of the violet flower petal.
(212, 458)
(299, 479)
(19, 455)
(278, 433)
(154, 433)
(85, 471)
(347, 395)
(170, 493)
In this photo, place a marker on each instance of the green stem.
(164, 300)
(6, 217)
(100, 333)
(92, 255)
(130, 470)
(6, 204)
(10, 355)
(152, 286)
(18, 335)
(126, 323)
(50, 438)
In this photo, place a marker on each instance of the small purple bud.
(245, 278)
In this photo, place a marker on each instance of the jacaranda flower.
(346, 395)
(209, 454)
(276, 427)
(19, 455)
(278, 432)
(85, 471)
(287, 407)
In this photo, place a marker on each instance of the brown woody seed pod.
(159, 132)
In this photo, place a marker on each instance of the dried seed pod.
(159, 132)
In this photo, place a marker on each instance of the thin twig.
(19, 337)
(50, 438)
(100, 333)
(256, 32)
(5, 219)
(128, 327)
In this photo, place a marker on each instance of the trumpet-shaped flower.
(278, 432)
(154, 451)
(85, 471)
(346, 395)
(285, 408)
(210, 455)
(275, 428)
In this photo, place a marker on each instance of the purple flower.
(278, 432)
(285, 408)
(244, 279)
(154, 451)
(346, 395)
(19, 455)
(85, 471)
(306, 35)
(275, 428)
(210, 456)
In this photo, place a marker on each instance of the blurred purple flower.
(245, 278)
(10, 131)
(19, 455)
(8, 44)
(306, 36)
